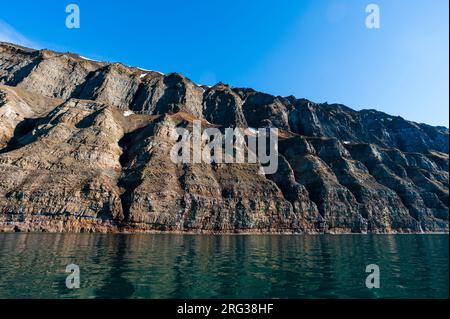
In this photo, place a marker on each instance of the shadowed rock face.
(84, 146)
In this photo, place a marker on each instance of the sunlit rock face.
(84, 147)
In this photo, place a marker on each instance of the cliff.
(84, 146)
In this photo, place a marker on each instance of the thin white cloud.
(9, 34)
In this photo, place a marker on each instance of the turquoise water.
(229, 266)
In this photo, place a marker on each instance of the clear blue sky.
(317, 49)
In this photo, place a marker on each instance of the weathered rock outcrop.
(366, 126)
(84, 146)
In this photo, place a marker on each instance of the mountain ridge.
(84, 147)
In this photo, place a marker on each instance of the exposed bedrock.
(85, 146)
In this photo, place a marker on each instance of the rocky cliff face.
(84, 146)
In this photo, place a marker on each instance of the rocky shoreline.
(80, 226)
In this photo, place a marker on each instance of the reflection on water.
(229, 266)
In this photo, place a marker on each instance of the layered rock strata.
(84, 147)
